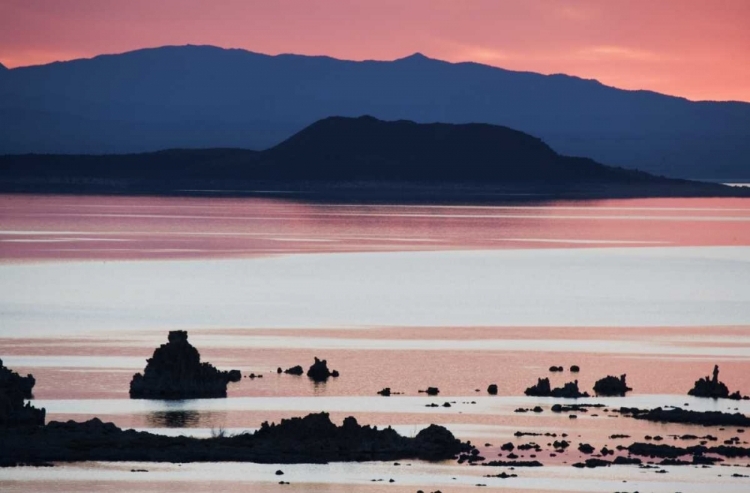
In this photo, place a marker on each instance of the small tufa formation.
(543, 389)
(175, 371)
(295, 370)
(14, 389)
(492, 389)
(713, 388)
(430, 391)
(575, 368)
(555, 369)
(319, 371)
(611, 386)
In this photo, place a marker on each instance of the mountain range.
(362, 155)
(208, 97)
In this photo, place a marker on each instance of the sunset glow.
(691, 48)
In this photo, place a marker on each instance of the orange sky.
(699, 49)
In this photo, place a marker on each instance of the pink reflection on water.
(64, 227)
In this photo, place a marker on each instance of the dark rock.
(319, 371)
(585, 448)
(492, 389)
(14, 389)
(175, 371)
(431, 391)
(611, 386)
(712, 387)
(591, 463)
(295, 370)
(278, 370)
(279, 472)
(312, 439)
(385, 392)
(575, 368)
(513, 463)
(543, 389)
(677, 415)
(555, 368)
(507, 446)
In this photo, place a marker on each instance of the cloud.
(613, 52)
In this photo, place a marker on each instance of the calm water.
(392, 296)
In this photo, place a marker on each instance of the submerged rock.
(175, 371)
(310, 439)
(14, 389)
(713, 388)
(543, 389)
(319, 371)
(611, 386)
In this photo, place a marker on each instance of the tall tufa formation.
(713, 388)
(14, 389)
(175, 371)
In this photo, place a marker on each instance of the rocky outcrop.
(430, 391)
(543, 389)
(677, 415)
(175, 371)
(319, 371)
(612, 386)
(295, 370)
(311, 439)
(14, 390)
(713, 388)
(492, 389)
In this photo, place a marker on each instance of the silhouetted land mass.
(361, 158)
(14, 390)
(314, 438)
(611, 386)
(684, 416)
(543, 389)
(311, 439)
(712, 387)
(208, 97)
(175, 371)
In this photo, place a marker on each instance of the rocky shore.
(311, 439)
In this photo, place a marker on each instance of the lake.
(456, 297)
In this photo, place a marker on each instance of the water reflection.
(174, 419)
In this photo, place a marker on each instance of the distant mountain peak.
(414, 57)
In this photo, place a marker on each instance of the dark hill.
(367, 149)
(354, 152)
(208, 97)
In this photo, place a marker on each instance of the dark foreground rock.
(612, 386)
(677, 415)
(319, 371)
(697, 451)
(712, 387)
(14, 389)
(175, 371)
(543, 389)
(311, 439)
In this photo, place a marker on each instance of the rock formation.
(319, 371)
(175, 371)
(492, 389)
(295, 370)
(14, 389)
(611, 386)
(311, 439)
(543, 389)
(713, 388)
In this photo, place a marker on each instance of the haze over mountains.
(202, 96)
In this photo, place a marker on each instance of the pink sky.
(699, 49)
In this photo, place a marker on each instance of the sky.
(699, 49)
